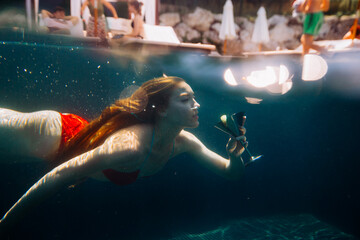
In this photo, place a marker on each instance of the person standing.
(101, 22)
(314, 18)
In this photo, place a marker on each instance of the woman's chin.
(194, 125)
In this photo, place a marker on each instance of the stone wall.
(203, 26)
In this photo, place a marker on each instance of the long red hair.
(140, 107)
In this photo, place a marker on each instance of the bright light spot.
(262, 78)
(280, 88)
(283, 74)
(99, 66)
(229, 77)
(314, 67)
(275, 80)
(253, 100)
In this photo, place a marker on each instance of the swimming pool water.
(305, 187)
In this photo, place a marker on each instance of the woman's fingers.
(231, 145)
(242, 131)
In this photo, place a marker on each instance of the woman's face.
(131, 8)
(182, 108)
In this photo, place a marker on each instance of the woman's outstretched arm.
(112, 153)
(231, 168)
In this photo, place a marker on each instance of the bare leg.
(36, 134)
(305, 43)
(308, 43)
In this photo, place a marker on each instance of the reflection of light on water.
(262, 78)
(314, 67)
(278, 88)
(274, 79)
(253, 100)
(229, 77)
(283, 74)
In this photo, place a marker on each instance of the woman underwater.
(132, 138)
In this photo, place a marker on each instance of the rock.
(343, 27)
(277, 19)
(193, 36)
(325, 29)
(211, 37)
(245, 35)
(298, 31)
(285, 31)
(250, 47)
(292, 44)
(237, 28)
(181, 30)
(169, 19)
(281, 33)
(201, 19)
(217, 26)
(272, 46)
(244, 24)
(218, 17)
(294, 21)
(186, 33)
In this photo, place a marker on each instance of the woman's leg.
(36, 134)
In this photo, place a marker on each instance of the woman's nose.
(196, 105)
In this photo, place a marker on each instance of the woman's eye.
(185, 99)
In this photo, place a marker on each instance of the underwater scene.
(306, 185)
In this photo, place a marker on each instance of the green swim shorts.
(313, 23)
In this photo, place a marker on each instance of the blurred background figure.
(137, 24)
(57, 22)
(314, 18)
(96, 26)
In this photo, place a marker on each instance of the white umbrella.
(261, 31)
(227, 30)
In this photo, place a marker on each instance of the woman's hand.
(235, 148)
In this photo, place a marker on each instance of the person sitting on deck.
(57, 22)
(137, 24)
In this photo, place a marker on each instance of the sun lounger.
(76, 31)
(157, 38)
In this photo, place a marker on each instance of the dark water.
(305, 187)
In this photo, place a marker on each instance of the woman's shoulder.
(130, 138)
(138, 18)
(187, 141)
